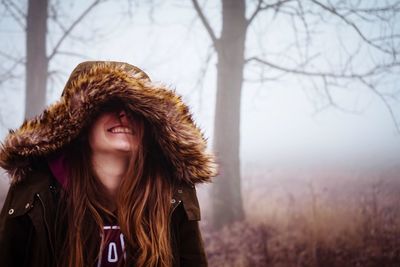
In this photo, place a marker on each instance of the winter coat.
(27, 218)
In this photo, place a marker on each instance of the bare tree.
(38, 57)
(304, 15)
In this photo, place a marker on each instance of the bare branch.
(301, 14)
(298, 70)
(17, 9)
(74, 54)
(263, 6)
(334, 11)
(392, 8)
(54, 15)
(326, 93)
(9, 73)
(263, 78)
(329, 79)
(72, 26)
(384, 101)
(205, 22)
(14, 59)
(203, 71)
(15, 12)
(255, 12)
(199, 85)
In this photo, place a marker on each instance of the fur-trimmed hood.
(92, 84)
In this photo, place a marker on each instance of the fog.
(294, 146)
(280, 122)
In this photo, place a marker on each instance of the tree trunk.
(36, 60)
(226, 190)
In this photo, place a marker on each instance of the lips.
(120, 129)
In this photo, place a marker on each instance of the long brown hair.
(143, 205)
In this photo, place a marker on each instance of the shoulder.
(21, 195)
(21, 221)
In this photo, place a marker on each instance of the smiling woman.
(106, 176)
(113, 138)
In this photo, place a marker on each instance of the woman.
(105, 176)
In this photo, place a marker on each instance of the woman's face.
(113, 132)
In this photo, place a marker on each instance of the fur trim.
(92, 84)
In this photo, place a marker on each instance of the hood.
(92, 84)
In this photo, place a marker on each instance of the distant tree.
(360, 17)
(37, 58)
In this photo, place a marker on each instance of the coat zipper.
(46, 224)
(172, 211)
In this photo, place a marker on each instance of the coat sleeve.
(15, 235)
(192, 251)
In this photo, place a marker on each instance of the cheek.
(96, 138)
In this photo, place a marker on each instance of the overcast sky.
(279, 123)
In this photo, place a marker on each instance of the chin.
(125, 149)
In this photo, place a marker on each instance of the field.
(308, 218)
(312, 218)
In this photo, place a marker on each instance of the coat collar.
(43, 182)
(24, 193)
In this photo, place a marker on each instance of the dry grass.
(317, 221)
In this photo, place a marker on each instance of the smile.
(120, 129)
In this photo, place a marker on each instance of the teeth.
(121, 130)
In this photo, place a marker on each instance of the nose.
(122, 117)
(121, 114)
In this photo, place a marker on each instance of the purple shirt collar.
(58, 167)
